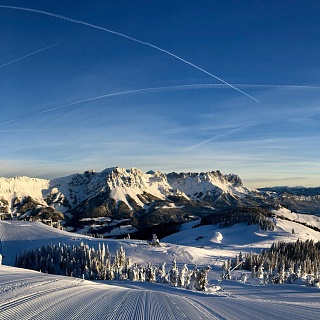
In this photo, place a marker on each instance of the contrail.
(271, 86)
(9, 121)
(179, 87)
(171, 88)
(221, 135)
(28, 55)
(250, 86)
(128, 92)
(121, 93)
(129, 38)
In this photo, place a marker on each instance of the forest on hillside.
(249, 215)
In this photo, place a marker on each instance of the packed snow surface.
(32, 295)
(26, 294)
(307, 219)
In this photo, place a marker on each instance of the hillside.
(28, 294)
(201, 245)
(118, 201)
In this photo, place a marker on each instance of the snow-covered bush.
(155, 241)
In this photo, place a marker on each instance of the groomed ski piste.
(26, 294)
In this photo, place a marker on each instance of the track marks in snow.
(210, 314)
(60, 298)
(26, 304)
(29, 295)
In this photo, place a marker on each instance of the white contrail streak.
(268, 86)
(129, 38)
(179, 87)
(121, 93)
(135, 91)
(9, 121)
(173, 88)
(250, 124)
(28, 55)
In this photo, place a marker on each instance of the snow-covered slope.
(304, 219)
(202, 245)
(199, 185)
(32, 295)
(67, 192)
(20, 187)
(138, 200)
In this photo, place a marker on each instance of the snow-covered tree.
(192, 278)
(182, 276)
(161, 274)
(85, 262)
(202, 278)
(150, 274)
(174, 273)
(155, 241)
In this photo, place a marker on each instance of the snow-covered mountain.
(118, 190)
(131, 199)
(67, 192)
(299, 199)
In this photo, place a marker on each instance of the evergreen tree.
(174, 273)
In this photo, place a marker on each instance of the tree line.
(282, 263)
(86, 262)
(249, 215)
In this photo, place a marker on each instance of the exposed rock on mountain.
(133, 201)
(298, 199)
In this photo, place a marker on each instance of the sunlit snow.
(32, 295)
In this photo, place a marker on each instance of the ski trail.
(129, 38)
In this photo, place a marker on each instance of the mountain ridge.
(137, 200)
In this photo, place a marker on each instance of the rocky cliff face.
(134, 200)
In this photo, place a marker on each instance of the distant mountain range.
(119, 201)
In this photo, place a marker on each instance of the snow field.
(26, 294)
(69, 298)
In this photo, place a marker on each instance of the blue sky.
(74, 96)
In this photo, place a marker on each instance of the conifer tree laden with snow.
(202, 278)
(162, 274)
(174, 273)
(286, 262)
(182, 275)
(85, 262)
(150, 273)
(192, 278)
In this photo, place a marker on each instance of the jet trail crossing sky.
(28, 55)
(144, 95)
(170, 88)
(220, 135)
(177, 88)
(129, 38)
(127, 92)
